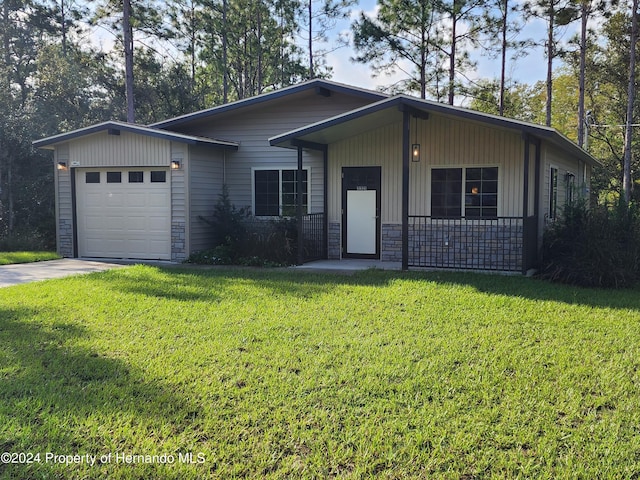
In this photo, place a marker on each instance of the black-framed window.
(92, 177)
(470, 192)
(158, 176)
(136, 177)
(446, 192)
(114, 177)
(275, 192)
(290, 190)
(481, 192)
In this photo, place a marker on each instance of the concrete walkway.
(348, 265)
(33, 272)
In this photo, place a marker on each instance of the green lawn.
(279, 374)
(8, 258)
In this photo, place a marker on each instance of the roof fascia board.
(113, 127)
(338, 119)
(322, 147)
(318, 85)
(415, 106)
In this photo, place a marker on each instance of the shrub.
(274, 241)
(227, 221)
(598, 247)
(240, 239)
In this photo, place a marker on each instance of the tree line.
(59, 71)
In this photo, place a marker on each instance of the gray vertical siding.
(64, 204)
(253, 126)
(206, 172)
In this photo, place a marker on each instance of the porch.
(503, 244)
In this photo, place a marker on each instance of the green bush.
(597, 247)
(239, 239)
(28, 240)
(275, 241)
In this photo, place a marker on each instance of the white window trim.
(464, 180)
(279, 168)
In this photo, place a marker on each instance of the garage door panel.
(123, 220)
(157, 224)
(93, 200)
(137, 199)
(114, 199)
(158, 199)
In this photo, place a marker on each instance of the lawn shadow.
(207, 284)
(310, 284)
(533, 288)
(53, 389)
(186, 283)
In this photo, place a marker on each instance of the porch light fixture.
(62, 166)
(415, 152)
(175, 165)
(415, 148)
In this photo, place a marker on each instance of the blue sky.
(528, 69)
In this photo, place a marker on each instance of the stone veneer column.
(65, 238)
(333, 252)
(391, 243)
(178, 242)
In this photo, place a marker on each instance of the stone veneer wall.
(482, 245)
(178, 242)
(391, 243)
(334, 239)
(65, 238)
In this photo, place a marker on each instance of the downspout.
(525, 204)
(536, 207)
(74, 212)
(405, 188)
(299, 187)
(325, 193)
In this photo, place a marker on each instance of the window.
(276, 192)
(570, 187)
(114, 177)
(446, 192)
(480, 192)
(92, 177)
(158, 176)
(136, 177)
(553, 193)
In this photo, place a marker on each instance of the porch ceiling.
(341, 127)
(389, 110)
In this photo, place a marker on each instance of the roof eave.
(49, 143)
(312, 84)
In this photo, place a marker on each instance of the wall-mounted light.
(62, 166)
(176, 165)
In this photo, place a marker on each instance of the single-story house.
(393, 178)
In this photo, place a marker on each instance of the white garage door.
(124, 213)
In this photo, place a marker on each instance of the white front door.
(361, 212)
(361, 222)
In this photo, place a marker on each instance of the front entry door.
(361, 212)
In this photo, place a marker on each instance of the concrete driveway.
(33, 272)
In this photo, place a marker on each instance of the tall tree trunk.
(582, 73)
(225, 64)
(550, 55)
(64, 28)
(452, 58)
(311, 72)
(631, 92)
(503, 59)
(128, 58)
